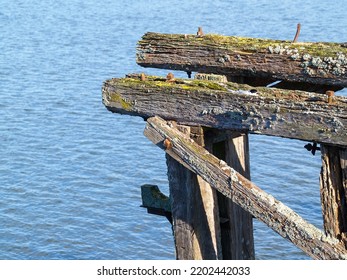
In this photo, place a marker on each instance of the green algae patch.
(200, 84)
(116, 98)
(242, 43)
(187, 86)
(162, 83)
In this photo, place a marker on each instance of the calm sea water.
(70, 171)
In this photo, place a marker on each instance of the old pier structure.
(203, 124)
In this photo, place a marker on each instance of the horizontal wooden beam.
(243, 192)
(313, 63)
(268, 111)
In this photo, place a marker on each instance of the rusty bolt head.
(170, 77)
(330, 94)
(200, 33)
(167, 144)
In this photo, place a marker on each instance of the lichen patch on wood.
(270, 111)
(313, 63)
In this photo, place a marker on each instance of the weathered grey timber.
(333, 188)
(216, 223)
(243, 192)
(269, 111)
(313, 63)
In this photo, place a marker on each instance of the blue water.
(70, 171)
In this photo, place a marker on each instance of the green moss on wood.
(248, 45)
(186, 85)
(200, 84)
(116, 98)
(159, 82)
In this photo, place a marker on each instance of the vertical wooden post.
(333, 189)
(241, 223)
(195, 216)
(236, 224)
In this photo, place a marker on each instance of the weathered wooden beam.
(195, 219)
(243, 192)
(241, 222)
(333, 187)
(237, 227)
(269, 111)
(313, 63)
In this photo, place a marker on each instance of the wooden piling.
(236, 224)
(194, 209)
(241, 222)
(333, 189)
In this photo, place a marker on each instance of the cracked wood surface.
(269, 111)
(333, 189)
(243, 192)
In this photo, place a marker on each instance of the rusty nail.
(167, 144)
(143, 77)
(200, 33)
(298, 27)
(330, 94)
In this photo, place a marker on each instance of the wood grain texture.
(243, 192)
(194, 209)
(333, 188)
(241, 222)
(313, 63)
(276, 112)
(237, 225)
